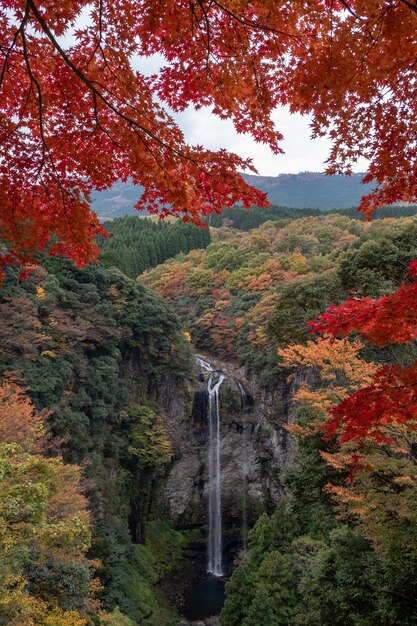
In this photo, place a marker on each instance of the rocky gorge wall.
(255, 449)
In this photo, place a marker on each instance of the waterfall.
(245, 472)
(214, 557)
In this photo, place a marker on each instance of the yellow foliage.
(40, 293)
(297, 262)
(118, 301)
(258, 337)
(150, 443)
(41, 513)
(49, 353)
(187, 336)
(24, 609)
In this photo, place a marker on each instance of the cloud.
(301, 152)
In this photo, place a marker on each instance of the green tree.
(299, 302)
(45, 534)
(338, 588)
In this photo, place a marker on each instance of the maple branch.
(410, 5)
(207, 23)
(246, 22)
(34, 81)
(100, 95)
(349, 8)
(45, 147)
(99, 126)
(19, 31)
(137, 128)
(118, 97)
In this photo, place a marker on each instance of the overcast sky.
(301, 153)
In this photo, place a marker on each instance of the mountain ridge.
(305, 190)
(312, 190)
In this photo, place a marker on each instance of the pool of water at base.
(204, 598)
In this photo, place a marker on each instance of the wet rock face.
(135, 522)
(200, 406)
(210, 621)
(255, 450)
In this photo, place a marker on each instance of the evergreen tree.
(138, 244)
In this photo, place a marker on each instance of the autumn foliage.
(365, 411)
(391, 398)
(44, 517)
(19, 421)
(376, 466)
(77, 114)
(227, 294)
(332, 370)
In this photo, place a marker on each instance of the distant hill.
(305, 190)
(117, 201)
(312, 190)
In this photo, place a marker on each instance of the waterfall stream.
(245, 472)
(215, 557)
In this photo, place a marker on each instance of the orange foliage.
(19, 421)
(223, 331)
(382, 476)
(262, 282)
(337, 371)
(214, 301)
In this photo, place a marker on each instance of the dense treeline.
(242, 219)
(388, 211)
(138, 243)
(83, 353)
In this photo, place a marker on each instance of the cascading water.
(215, 557)
(245, 472)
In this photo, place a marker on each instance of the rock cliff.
(255, 449)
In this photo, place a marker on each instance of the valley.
(191, 399)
